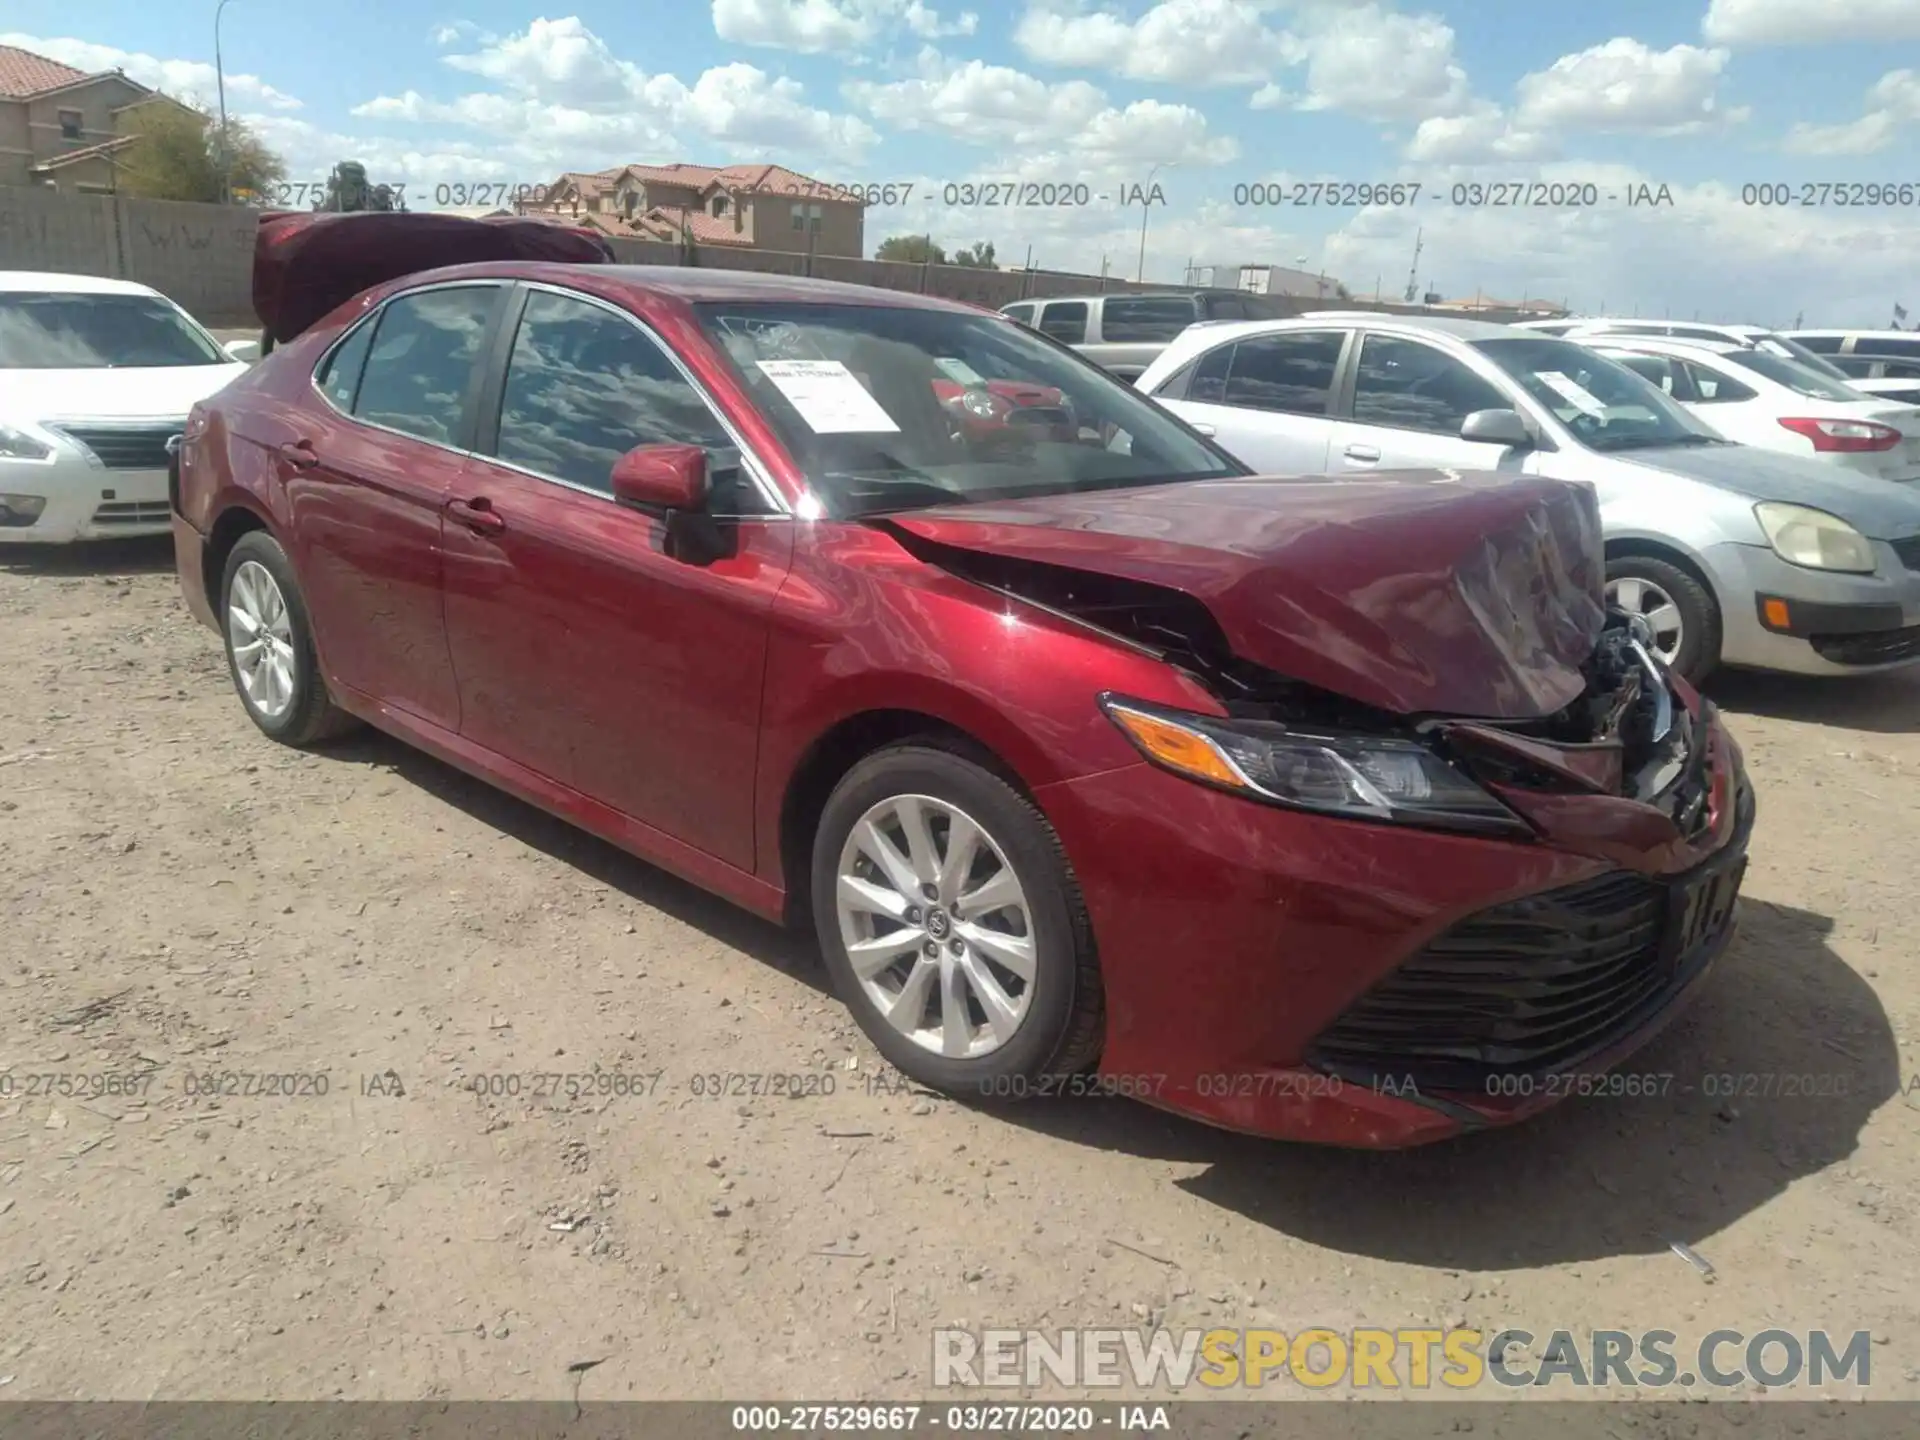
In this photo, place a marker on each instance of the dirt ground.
(179, 897)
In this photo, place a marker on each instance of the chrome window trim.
(750, 458)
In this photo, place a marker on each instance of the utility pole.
(1413, 273)
(1146, 208)
(220, 82)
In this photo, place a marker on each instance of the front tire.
(269, 644)
(1684, 618)
(952, 925)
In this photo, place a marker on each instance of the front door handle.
(478, 515)
(1365, 453)
(299, 454)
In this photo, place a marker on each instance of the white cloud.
(1809, 22)
(455, 30)
(753, 115)
(182, 79)
(1382, 65)
(1269, 96)
(1623, 85)
(980, 102)
(1892, 103)
(1193, 42)
(1482, 133)
(815, 27)
(566, 97)
(1150, 132)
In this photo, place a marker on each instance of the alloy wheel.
(260, 634)
(1653, 604)
(936, 925)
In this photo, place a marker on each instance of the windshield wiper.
(1656, 442)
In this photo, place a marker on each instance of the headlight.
(1361, 777)
(979, 403)
(1813, 538)
(19, 445)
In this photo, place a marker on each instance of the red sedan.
(1331, 810)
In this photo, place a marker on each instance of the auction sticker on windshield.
(828, 397)
(1572, 392)
(960, 372)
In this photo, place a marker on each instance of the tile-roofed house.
(758, 206)
(62, 127)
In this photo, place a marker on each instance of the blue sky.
(1700, 96)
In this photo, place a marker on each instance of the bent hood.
(1460, 593)
(1879, 509)
(149, 392)
(305, 265)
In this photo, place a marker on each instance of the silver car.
(1734, 555)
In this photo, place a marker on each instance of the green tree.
(176, 155)
(913, 249)
(978, 257)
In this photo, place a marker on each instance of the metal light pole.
(1146, 209)
(220, 82)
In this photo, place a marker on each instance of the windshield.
(892, 408)
(1791, 373)
(1604, 404)
(98, 332)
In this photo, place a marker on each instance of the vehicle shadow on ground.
(1887, 704)
(1595, 1177)
(144, 555)
(792, 952)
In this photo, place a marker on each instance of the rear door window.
(339, 374)
(1065, 321)
(419, 373)
(1291, 372)
(1145, 319)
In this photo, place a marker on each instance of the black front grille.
(1531, 987)
(1909, 551)
(1526, 987)
(1875, 647)
(133, 512)
(127, 447)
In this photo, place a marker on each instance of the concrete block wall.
(202, 256)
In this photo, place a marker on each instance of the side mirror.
(245, 351)
(662, 477)
(1497, 427)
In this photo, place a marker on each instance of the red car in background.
(1333, 810)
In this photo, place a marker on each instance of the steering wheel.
(1586, 424)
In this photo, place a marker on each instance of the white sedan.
(96, 379)
(1757, 398)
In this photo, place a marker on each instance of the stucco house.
(64, 128)
(755, 207)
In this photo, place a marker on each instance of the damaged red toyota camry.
(1339, 811)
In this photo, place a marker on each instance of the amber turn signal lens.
(1177, 748)
(1775, 612)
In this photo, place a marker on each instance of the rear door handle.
(477, 514)
(1365, 453)
(299, 454)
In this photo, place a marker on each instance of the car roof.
(1102, 295)
(689, 283)
(53, 282)
(1669, 342)
(1725, 329)
(1861, 334)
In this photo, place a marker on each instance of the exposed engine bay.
(1624, 735)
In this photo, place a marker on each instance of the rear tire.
(269, 645)
(1653, 585)
(933, 1015)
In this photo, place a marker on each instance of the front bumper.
(116, 489)
(1838, 624)
(1251, 953)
